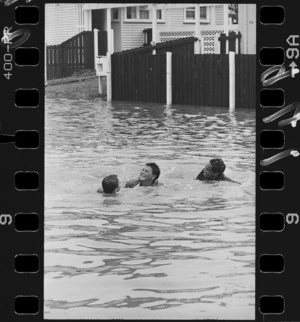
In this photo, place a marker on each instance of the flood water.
(184, 250)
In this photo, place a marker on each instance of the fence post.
(197, 30)
(108, 78)
(95, 45)
(112, 44)
(46, 61)
(169, 78)
(96, 49)
(236, 43)
(231, 81)
(154, 28)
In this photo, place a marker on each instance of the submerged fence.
(200, 80)
(196, 79)
(74, 54)
(245, 81)
(139, 78)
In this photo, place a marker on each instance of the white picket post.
(231, 81)
(108, 78)
(169, 78)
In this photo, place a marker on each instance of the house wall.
(219, 15)
(61, 22)
(132, 32)
(116, 26)
(247, 24)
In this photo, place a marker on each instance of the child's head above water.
(214, 169)
(110, 184)
(150, 172)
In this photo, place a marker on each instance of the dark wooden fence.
(137, 75)
(139, 78)
(201, 80)
(74, 54)
(245, 81)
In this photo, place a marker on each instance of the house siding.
(116, 26)
(174, 18)
(219, 15)
(60, 22)
(132, 32)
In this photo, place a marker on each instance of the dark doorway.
(98, 19)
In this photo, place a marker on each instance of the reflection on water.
(179, 251)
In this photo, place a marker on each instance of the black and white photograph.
(150, 139)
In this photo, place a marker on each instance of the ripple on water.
(183, 250)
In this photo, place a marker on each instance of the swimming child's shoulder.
(132, 183)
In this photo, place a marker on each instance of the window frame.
(112, 16)
(207, 20)
(138, 19)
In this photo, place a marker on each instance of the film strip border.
(21, 123)
(277, 174)
(277, 216)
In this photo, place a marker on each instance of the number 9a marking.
(5, 220)
(292, 218)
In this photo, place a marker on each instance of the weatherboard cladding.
(219, 15)
(132, 32)
(60, 22)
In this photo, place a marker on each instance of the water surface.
(185, 250)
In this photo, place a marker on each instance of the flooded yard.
(184, 250)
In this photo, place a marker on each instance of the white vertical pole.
(108, 55)
(95, 45)
(169, 78)
(95, 59)
(231, 81)
(46, 59)
(112, 37)
(87, 19)
(245, 9)
(154, 24)
(109, 87)
(108, 29)
(226, 28)
(197, 29)
(154, 28)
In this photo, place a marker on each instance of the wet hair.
(218, 166)
(155, 169)
(110, 183)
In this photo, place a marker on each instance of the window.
(190, 14)
(159, 14)
(142, 13)
(131, 13)
(203, 13)
(115, 14)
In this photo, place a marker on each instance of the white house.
(173, 21)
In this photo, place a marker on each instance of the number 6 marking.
(292, 218)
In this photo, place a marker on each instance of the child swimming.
(148, 177)
(110, 184)
(214, 171)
